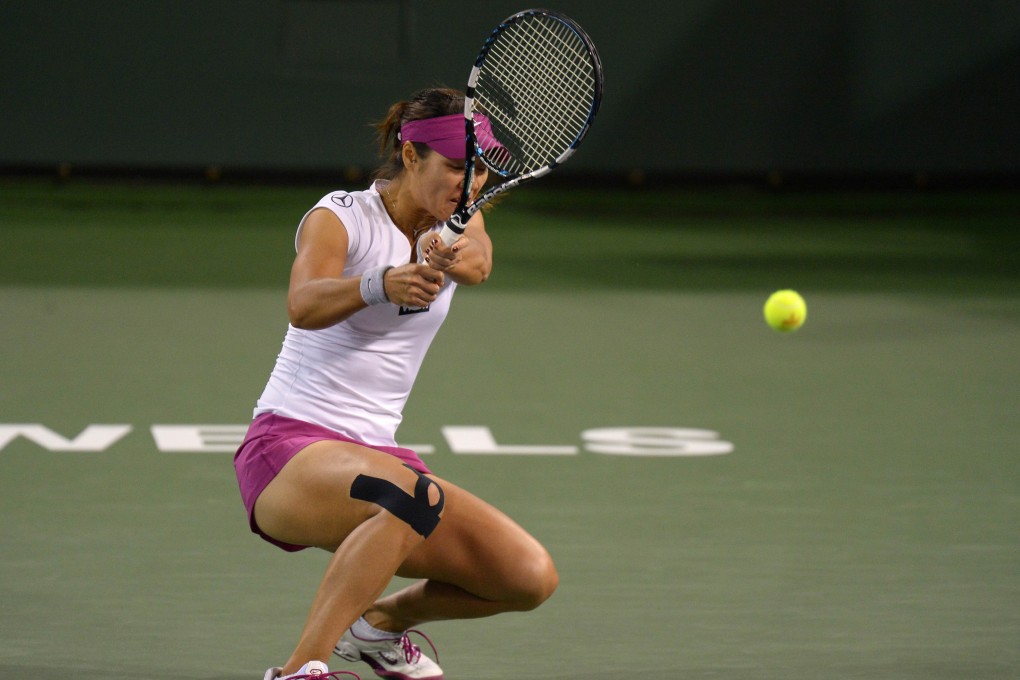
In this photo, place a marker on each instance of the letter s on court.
(654, 441)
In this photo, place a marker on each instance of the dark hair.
(428, 103)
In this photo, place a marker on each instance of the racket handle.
(452, 230)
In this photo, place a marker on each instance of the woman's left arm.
(469, 260)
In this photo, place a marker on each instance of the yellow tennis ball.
(785, 310)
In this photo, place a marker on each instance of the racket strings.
(540, 96)
(537, 86)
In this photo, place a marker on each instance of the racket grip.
(452, 230)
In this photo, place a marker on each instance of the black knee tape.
(415, 510)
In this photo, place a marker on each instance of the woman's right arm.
(320, 296)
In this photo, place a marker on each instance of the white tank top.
(355, 377)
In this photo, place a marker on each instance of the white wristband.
(372, 289)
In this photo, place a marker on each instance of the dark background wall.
(711, 87)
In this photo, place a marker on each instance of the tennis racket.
(538, 79)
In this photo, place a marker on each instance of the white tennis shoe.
(313, 670)
(396, 658)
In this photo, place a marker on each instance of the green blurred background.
(789, 89)
(156, 159)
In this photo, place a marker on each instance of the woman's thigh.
(480, 549)
(475, 546)
(309, 502)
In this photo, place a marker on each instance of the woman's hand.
(441, 257)
(413, 285)
(468, 260)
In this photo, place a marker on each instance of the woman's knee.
(420, 509)
(535, 580)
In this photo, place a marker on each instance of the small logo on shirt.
(343, 199)
(404, 311)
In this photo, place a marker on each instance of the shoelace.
(333, 675)
(412, 652)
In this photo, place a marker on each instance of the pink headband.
(446, 134)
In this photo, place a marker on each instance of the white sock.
(363, 630)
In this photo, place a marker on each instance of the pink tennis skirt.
(272, 441)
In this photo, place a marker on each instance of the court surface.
(864, 523)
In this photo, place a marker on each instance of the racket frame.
(455, 226)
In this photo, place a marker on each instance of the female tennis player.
(319, 467)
